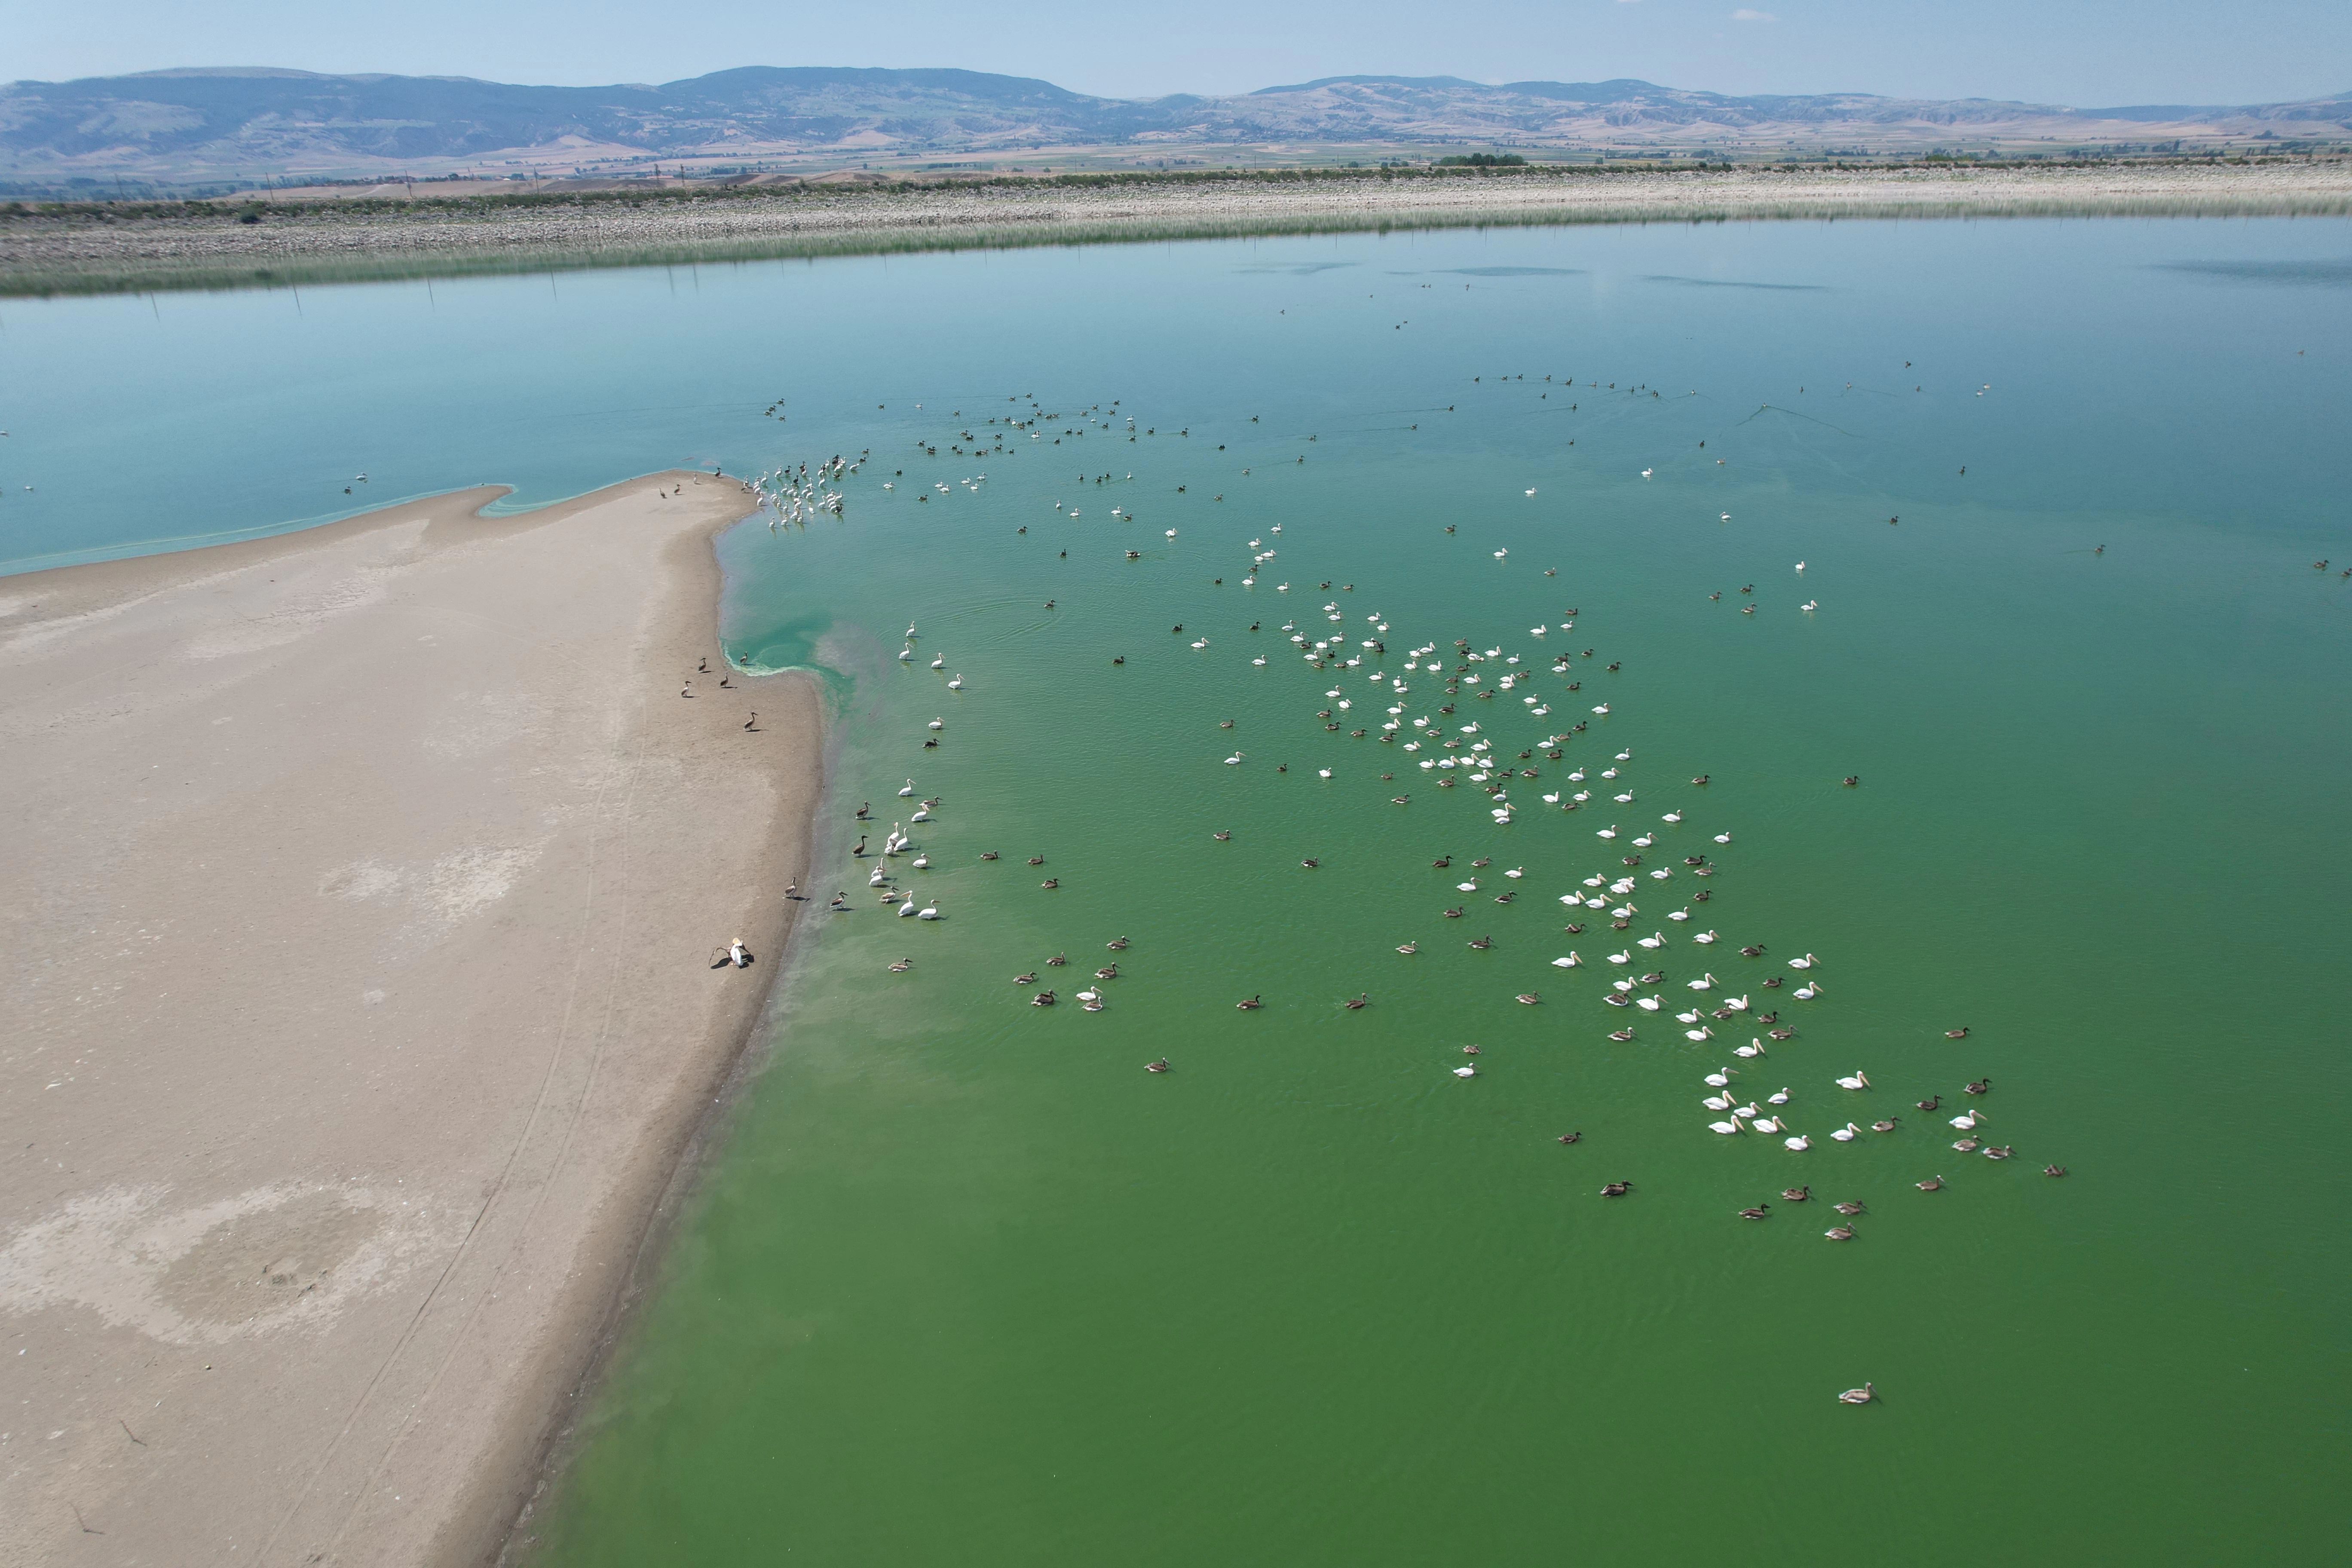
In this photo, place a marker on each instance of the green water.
(969, 1286)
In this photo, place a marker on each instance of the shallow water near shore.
(968, 1285)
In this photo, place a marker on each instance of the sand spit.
(324, 243)
(361, 891)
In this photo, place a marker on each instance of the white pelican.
(1570, 962)
(1704, 1034)
(1679, 915)
(1723, 1101)
(922, 816)
(1646, 840)
(908, 790)
(906, 655)
(905, 908)
(927, 912)
(1723, 838)
(1693, 1016)
(1754, 1047)
(1610, 832)
(1234, 760)
(1645, 473)
(1867, 1391)
(1531, 492)
(1847, 1133)
(1500, 553)
(1621, 958)
(1721, 1076)
(1780, 1099)
(1805, 962)
(1672, 817)
(1859, 1080)
(1647, 1003)
(1733, 1125)
(1171, 533)
(941, 662)
(1808, 991)
(1465, 1070)
(1800, 1142)
(1323, 773)
(1771, 1124)
(1704, 937)
(938, 724)
(1967, 1120)
(1654, 939)
(1737, 1004)
(1706, 982)
(957, 684)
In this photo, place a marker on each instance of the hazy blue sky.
(2082, 52)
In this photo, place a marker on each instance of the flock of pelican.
(796, 495)
(1366, 693)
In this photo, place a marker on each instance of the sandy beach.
(364, 885)
(324, 241)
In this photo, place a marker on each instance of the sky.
(2084, 53)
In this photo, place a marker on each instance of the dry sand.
(361, 888)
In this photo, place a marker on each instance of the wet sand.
(357, 1006)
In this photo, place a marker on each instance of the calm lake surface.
(969, 1285)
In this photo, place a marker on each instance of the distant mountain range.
(236, 122)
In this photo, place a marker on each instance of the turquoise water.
(969, 1286)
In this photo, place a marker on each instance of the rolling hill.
(245, 122)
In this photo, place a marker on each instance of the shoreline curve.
(372, 876)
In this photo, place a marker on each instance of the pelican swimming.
(1968, 1121)
(1805, 962)
(1780, 1099)
(939, 663)
(1857, 1081)
(1705, 983)
(1847, 1133)
(1862, 1395)
(1234, 760)
(1808, 991)
(1720, 1076)
(957, 684)
(1771, 1124)
(1752, 1048)
(909, 789)
(1800, 1143)
(1731, 1126)
(1570, 962)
